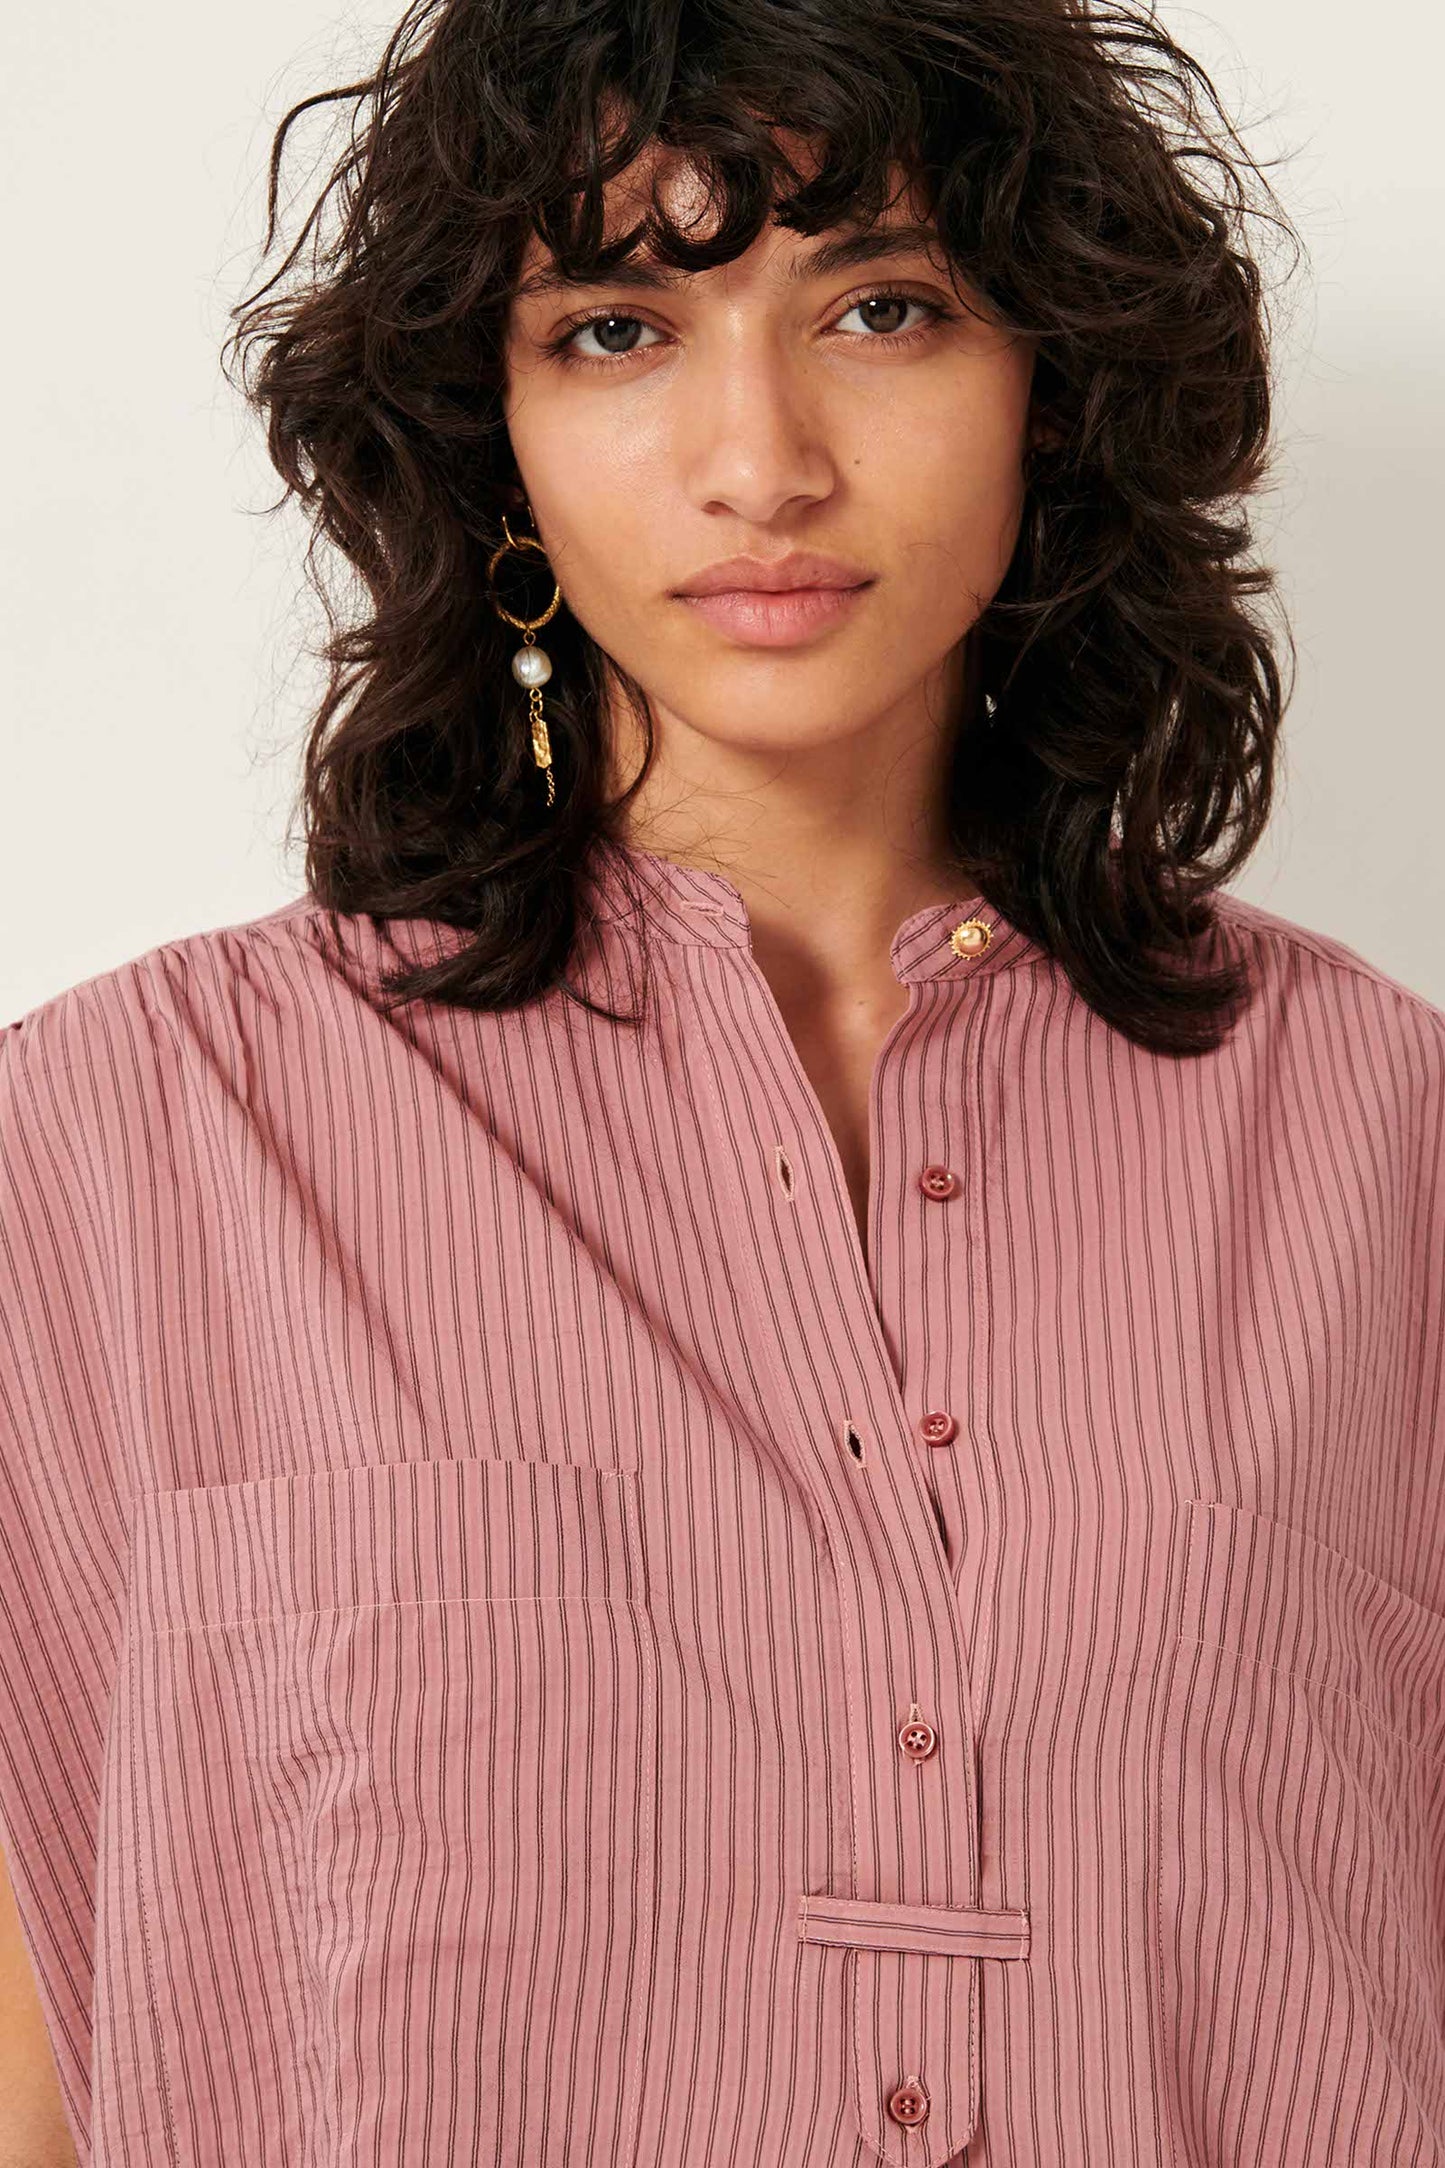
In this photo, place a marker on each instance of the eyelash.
(561, 344)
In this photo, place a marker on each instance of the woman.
(732, 1455)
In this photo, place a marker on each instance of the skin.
(746, 410)
(33, 2129)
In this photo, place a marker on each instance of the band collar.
(697, 907)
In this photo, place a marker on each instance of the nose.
(755, 433)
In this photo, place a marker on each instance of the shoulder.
(285, 1005)
(107, 1030)
(1315, 983)
(126, 992)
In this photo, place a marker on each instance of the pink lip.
(775, 575)
(760, 618)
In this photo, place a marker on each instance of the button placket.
(915, 1815)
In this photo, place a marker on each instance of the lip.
(777, 601)
(778, 618)
(775, 575)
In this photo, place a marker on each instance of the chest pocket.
(1300, 1922)
(392, 1751)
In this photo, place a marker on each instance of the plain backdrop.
(157, 678)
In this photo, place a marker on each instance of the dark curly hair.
(1081, 174)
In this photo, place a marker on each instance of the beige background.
(155, 681)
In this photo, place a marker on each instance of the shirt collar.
(699, 908)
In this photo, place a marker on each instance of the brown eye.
(884, 313)
(886, 304)
(613, 331)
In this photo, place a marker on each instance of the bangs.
(810, 119)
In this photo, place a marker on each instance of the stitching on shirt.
(1309, 1680)
(1165, 2104)
(650, 1746)
(973, 2055)
(856, 1955)
(1159, 1746)
(167, 2104)
(382, 1603)
(978, 1174)
(342, 1469)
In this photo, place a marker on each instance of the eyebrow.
(841, 253)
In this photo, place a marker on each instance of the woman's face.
(770, 406)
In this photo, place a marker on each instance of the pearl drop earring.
(531, 665)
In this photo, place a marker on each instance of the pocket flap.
(392, 1532)
(1269, 1593)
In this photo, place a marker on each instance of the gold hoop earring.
(531, 665)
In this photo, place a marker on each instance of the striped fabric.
(522, 1641)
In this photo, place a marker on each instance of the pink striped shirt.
(523, 1641)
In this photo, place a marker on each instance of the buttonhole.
(783, 1167)
(852, 1440)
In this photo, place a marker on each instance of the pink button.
(938, 1427)
(918, 1739)
(908, 2102)
(938, 1181)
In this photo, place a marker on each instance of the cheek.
(602, 542)
(591, 514)
(971, 485)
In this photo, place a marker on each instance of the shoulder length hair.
(1082, 174)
